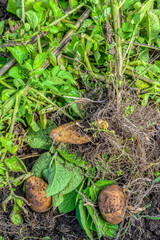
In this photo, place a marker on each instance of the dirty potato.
(111, 202)
(70, 133)
(35, 194)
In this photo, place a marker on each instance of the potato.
(111, 202)
(70, 133)
(35, 194)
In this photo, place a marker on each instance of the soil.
(65, 226)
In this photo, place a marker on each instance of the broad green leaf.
(73, 3)
(56, 10)
(96, 187)
(141, 13)
(82, 218)
(32, 19)
(41, 163)
(66, 75)
(15, 164)
(19, 53)
(144, 55)
(2, 26)
(53, 29)
(58, 179)
(49, 84)
(41, 138)
(37, 7)
(102, 227)
(55, 71)
(127, 27)
(71, 46)
(128, 4)
(153, 26)
(69, 202)
(52, 58)
(39, 60)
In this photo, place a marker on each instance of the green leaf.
(58, 178)
(19, 53)
(56, 10)
(153, 26)
(32, 19)
(102, 227)
(141, 13)
(15, 217)
(2, 26)
(66, 75)
(52, 58)
(127, 27)
(15, 164)
(49, 84)
(73, 158)
(69, 202)
(2, 169)
(73, 3)
(41, 138)
(31, 122)
(53, 29)
(41, 163)
(82, 218)
(39, 60)
(145, 100)
(96, 187)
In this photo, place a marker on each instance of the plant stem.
(143, 45)
(7, 66)
(39, 42)
(6, 85)
(52, 103)
(68, 35)
(66, 15)
(143, 78)
(89, 67)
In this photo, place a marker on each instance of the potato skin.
(35, 194)
(68, 133)
(111, 202)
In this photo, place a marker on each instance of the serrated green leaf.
(69, 202)
(32, 18)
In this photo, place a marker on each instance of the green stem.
(52, 103)
(143, 45)
(89, 67)
(143, 78)
(5, 84)
(66, 15)
(18, 98)
(39, 42)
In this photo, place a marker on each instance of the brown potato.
(69, 133)
(111, 202)
(35, 194)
